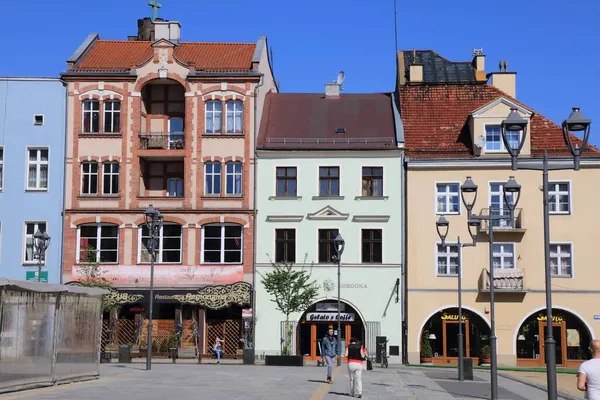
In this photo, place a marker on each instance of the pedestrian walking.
(588, 377)
(329, 347)
(355, 354)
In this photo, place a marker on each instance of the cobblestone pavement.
(192, 381)
(567, 383)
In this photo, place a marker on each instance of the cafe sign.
(329, 317)
(555, 318)
(452, 317)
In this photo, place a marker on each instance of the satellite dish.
(480, 142)
(341, 77)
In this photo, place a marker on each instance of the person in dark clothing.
(329, 349)
(355, 354)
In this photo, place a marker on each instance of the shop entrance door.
(450, 342)
(317, 331)
(559, 331)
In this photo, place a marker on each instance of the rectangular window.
(212, 178)
(38, 119)
(98, 243)
(222, 244)
(112, 116)
(91, 116)
(1, 168)
(329, 181)
(89, 178)
(561, 259)
(493, 138)
(213, 116)
(110, 178)
(175, 187)
(327, 253)
(504, 255)
(498, 206)
(447, 259)
(372, 246)
(168, 249)
(286, 182)
(233, 178)
(448, 198)
(372, 181)
(234, 116)
(30, 229)
(559, 197)
(37, 169)
(285, 245)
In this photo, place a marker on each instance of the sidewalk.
(567, 383)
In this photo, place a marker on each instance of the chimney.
(168, 30)
(146, 29)
(332, 89)
(415, 70)
(504, 80)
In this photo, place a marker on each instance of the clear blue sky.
(553, 45)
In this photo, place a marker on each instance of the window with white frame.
(222, 244)
(168, 247)
(493, 138)
(37, 169)
(559, 197)
(561, 259)
(98, 243)
(447, 259)
(448, 198)
(30, 229)
(214, 111)
(175, 187)
(110, 178)
(503, 255)
(1, 168)
(235, 112)
(212, 178)
(112, 116)
(89, 178)
(233, 180)
(91, 116)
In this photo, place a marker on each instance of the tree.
(292, 291)
(91, 270)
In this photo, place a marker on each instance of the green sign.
(32, 276)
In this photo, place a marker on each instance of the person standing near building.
(355, 354)
(588, 377)
(218, 348)
(329, 350)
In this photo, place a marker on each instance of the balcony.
(510, 280)
(504, 225)
(162, 141)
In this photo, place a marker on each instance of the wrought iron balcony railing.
(162, 141)
(508, 224)
(505, 280)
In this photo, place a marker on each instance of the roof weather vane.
(155, 6)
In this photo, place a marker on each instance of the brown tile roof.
(436, 121)
(308, 121)
(119, 55)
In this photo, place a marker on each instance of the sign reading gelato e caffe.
(329, 317)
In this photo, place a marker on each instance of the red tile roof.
(119, 55)
(436, 121)
(308, 121)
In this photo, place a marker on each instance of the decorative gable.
(328, 213)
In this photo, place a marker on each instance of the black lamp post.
(469, 195)
(41, 241)
(339, 244)
(578, 124)
(153, 222)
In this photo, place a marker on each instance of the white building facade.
(319, 183)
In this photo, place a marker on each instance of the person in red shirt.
(355, 354)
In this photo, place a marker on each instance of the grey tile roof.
(437, 69)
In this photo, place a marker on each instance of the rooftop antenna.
(340, 79)
(155, 6)
(395, 30)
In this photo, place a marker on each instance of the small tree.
(426, 351)
(292, 291)
(92, 272)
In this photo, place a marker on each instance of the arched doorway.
(570, 333)
(317, 319)
(441, 329)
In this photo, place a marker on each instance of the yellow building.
(451, 113)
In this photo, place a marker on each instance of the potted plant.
(426, 351)
(485, 355)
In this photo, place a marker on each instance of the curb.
(561, 393)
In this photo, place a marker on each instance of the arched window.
(213, 116)
(222, 244)
(168, 247)
(98, 243)
(235, 113)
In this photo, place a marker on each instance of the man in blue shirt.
(330, 347)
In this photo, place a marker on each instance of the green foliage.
(92, 272)
(485, 352)
(426, 351)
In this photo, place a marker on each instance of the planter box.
(285, 361)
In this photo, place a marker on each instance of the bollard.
(174, 354)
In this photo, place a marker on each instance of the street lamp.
(339, 243)
(514, 124)
(41, 241)
(153, 222)
(512, 194)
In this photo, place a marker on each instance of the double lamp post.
(515, 126)
(339, 243)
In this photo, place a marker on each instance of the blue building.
(32, 166)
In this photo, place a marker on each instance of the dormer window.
(493, 139)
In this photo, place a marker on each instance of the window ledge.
(222, 135)
(221, 264)
(31, 264)
(328, 197)
(371, 197)
(562, 276)
(36, 190)
(97, 135)
(159, 263)
(285, 197)
(160, 197)
(225, 197)
(446, 275)
(447, 213)
(560, 213)
(99, 196)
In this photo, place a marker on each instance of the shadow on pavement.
(315, 381)
(340, 394)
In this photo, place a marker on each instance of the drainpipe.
(64, 187)
(404, 291)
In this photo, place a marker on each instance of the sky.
(553, 45)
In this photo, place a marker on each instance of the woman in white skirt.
(355, 354)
